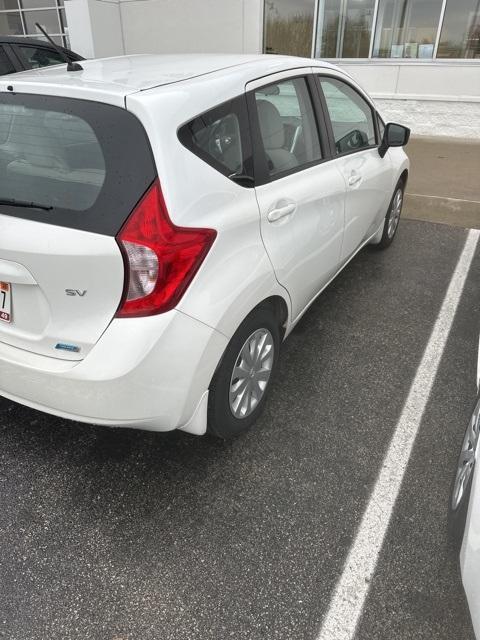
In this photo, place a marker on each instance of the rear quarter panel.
(236, 274)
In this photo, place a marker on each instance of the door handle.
(281, 212)
(354, 178)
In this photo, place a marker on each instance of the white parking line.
(351, 591)
(423, 195)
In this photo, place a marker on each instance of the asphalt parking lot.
(123, 535)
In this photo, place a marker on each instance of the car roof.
(112, 79)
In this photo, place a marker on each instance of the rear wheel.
(241, 383)
(393, 217)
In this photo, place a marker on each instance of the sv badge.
(76, 292)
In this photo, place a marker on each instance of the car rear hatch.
(71, 172)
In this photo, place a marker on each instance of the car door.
(299, 193)
(368, 177)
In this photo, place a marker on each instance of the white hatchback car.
(165, 221)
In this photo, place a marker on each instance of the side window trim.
(262, 175)
(323, 110)
(373, 111)
(378, 119)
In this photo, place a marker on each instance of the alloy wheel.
(251, 373)
(395, 212)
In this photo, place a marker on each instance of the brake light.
(160, 258)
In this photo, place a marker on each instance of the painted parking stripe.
(424, 195)
(346, 606)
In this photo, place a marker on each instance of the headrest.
(271, 125)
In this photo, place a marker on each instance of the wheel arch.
(280, 308)
(404, 177)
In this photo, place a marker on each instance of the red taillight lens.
(160, 258)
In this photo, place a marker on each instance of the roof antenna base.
(74, 66)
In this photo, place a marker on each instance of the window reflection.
(406, 28)
(358, 28)
(289, 27)
(345, 28)
(460, 36)
(403, 29)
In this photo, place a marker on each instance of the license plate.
(5, 302)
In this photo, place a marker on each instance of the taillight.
(160, 258)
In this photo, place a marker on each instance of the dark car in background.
(19, 54)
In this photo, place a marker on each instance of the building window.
(406, 28)
(344, 28)
(18, 18)
(460, 35)
(289, 27)
(10, 23)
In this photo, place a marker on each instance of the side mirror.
(395, 135)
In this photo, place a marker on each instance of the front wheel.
(240, 385)
(392, 218)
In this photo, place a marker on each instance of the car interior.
(287, 125)
(50, 158)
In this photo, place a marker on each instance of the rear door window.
(85, 164)
(220, 137)
(288, 126)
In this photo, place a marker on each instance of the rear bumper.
(148, 373)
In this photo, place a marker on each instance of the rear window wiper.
(25, 203)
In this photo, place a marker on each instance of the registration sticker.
(5, 301)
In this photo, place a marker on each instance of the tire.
(462, 481)
(392, 218)
(235, 403)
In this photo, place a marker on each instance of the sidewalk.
(444, 181)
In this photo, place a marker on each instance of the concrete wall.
(164, 26)
(432, 98)
(191, 26)
(95, 27)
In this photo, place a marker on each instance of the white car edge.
(464, 510)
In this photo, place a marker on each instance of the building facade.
(18, 18)
(419, 59)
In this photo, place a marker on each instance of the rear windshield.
(78, 163)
